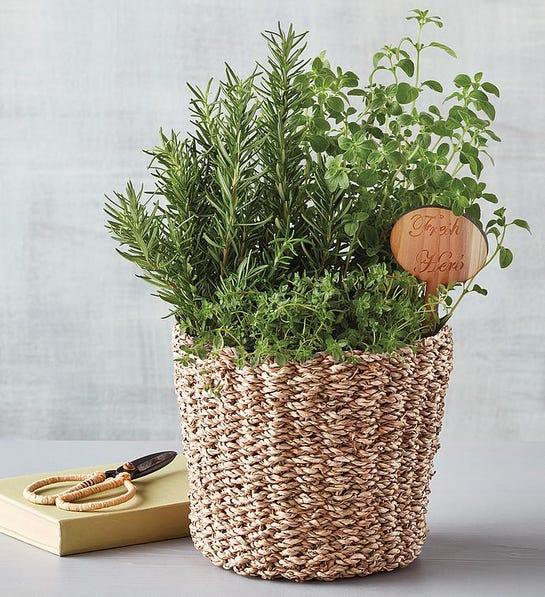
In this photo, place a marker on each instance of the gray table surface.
(487, 535)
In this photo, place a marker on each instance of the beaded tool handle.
(91, 484)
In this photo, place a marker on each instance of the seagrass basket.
(315, 470)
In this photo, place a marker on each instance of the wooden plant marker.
(438, 247)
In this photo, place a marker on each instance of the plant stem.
(469, 282)
(418, 50)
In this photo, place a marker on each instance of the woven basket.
(315, 470)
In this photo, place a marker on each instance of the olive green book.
(158, 511)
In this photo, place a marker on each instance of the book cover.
(158, 511)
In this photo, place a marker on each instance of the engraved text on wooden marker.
(438, 247)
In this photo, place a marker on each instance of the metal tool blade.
(147, 464)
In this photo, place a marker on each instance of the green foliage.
(268, 228)
(376, 311)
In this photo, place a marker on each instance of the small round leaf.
(506, 257)
(406, 93)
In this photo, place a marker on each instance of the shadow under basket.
(314, 470)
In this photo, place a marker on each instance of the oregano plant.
(268, 226)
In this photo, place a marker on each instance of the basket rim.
(229, 353)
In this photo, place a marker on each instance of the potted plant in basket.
(310, 367)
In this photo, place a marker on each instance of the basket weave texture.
(314, 470)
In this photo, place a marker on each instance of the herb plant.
(268, 227)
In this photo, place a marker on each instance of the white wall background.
(84, 86)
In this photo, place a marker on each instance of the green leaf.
(406, 93)
(490, 197)
(395, 159)
(457, 210)
(375, 157)
(506, 257)
(476, 166)
(335, 103)
(395, 109)
(462, 202)
(360, 92)
(376, 132)
(407, 66)
(471, 185)
(361, 216)
(441, 178)
(454, 94)
(354, 127)
(351, 228)
(441, 128)
(479, 95)
(319, 143)
(332, 182)
(443, 149)
(462, 81)
(435, 85)
(349, 79)
(317, 64)
(343, 180)
(488, 109)
(491, 88)
(449, 51)
(321, 123)
(492, 135)
(473, 212)
(522, 224)
(479, 289)
(344, 142)
(367, 178)
(371, 235)
(390, 146)
(469, 149)
(377, 58)
(426, 119)
(424, 140)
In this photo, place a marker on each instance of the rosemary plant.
(268, 227)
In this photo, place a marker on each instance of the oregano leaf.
(491, 88)
(407, 66)
(522, 224)
(319, 143)
(351, 228)
(479, 289)
(406, 93)
(462, 81)
(445, 48)
(435, 85)
(506, 257)
(335, 103)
